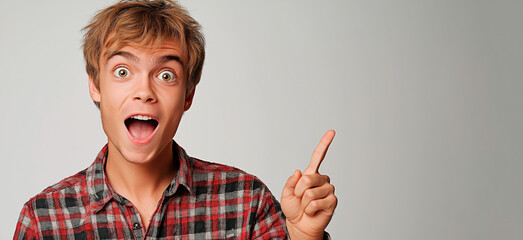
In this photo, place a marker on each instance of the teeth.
(142, 117)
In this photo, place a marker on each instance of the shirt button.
(136, 226)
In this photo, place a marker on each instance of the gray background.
(426, 97)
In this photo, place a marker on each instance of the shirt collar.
(100, 192)
(97, 187)
(183, 176)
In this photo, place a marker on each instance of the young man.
(144, 60)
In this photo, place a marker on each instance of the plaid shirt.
(204, 201)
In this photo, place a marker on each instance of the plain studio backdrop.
(425, 96)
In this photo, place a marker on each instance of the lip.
(141, 141)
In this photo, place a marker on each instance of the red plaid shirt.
(204, 201)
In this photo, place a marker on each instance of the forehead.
(170, 47)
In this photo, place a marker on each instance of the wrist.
(297, 234)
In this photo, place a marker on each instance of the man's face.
(142, 97)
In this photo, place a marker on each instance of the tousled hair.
(145, 23)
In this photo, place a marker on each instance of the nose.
(144, 92)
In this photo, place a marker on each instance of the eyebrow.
(132, 57)
(168, 58)
(124, 54)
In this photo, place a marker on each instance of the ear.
(188, 99)
(93, 90)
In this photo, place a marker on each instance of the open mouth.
(141, 127)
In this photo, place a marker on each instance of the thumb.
(288, 190)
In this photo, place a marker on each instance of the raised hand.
(308, 199)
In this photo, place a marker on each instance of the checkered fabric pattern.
(204, 201)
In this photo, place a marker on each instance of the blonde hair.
(146, 23)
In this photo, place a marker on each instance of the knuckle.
(307, 180)
(298, 191)
(309, 194)
(332, 188)
(335, 201)
(313, 205)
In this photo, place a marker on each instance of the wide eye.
(121, 72)
(166, 76)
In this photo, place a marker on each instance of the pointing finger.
(319, 152)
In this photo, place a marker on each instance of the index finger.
(319, 152)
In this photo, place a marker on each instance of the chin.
(143, 154)
(137, 157)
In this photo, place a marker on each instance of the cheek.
(174, 100)
(113, 95)
(112, 98)
(173, 106)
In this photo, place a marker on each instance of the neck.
(144, 181)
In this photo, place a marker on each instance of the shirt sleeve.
(270, 221)
(26, 226)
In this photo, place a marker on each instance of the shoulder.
(202, 168)
(65, 190)
(212, 167)
(226, 178)
(57, 199)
